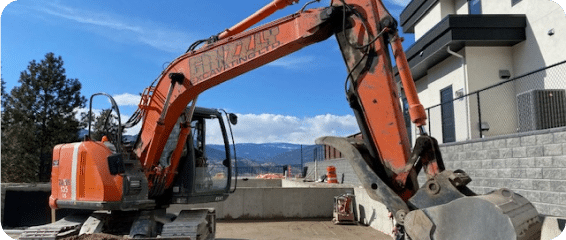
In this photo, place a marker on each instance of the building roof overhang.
(458, 31)
(413, 12)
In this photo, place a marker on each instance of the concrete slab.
(553, 227)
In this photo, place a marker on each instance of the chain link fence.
(533, 101)
(310, 154)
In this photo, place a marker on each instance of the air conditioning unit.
(541, 109)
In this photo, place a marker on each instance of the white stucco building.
(462, 46)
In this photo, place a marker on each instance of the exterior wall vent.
(541, 109)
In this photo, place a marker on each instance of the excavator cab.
(205, 172)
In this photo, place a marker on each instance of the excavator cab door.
(205, 169)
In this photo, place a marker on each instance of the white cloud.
(127, 99)
(268, 128)
(122, 29)
(292, 62)
(265, 128)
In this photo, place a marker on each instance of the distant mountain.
(261, 152)
(307, 154)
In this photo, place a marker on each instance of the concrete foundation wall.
(372, 213)
(343, 171)
(269, 203)
(258, 182)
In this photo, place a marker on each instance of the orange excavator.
(162, 167)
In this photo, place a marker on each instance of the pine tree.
(36, 116)
(105, 124)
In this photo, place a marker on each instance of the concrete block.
(526, 162)
(467, 147)
(488, 145)
(487, 164)
(559, 162)
(553, 173)
(528, 140)
(558, 186)
(479, 174)
(500, 143)
(513, 142)
(477, 146)
(491, 173)
(541, 185)
(524, 184)
(499, 163)
(550, 197)
(477, 164)
(535, 151)
(458, 148)
(533, 196)
(505, 173)
(513, 184)
(542, 208)
(557, 210)
(480, 155)
(448, 149)
(534, 173)
(482, 182)
(506, 153)
(457, 165)
(493, 153)
(559, 137)
(543, 161)
(553, 150)
(519, 152)
(447, 157)
(470, 156)
(512, 162)
(544, 139)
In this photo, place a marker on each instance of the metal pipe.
(479, 115)
(256, 17)
(468, 127)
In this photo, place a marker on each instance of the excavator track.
(196, 224)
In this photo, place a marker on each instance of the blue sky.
(120, 47)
